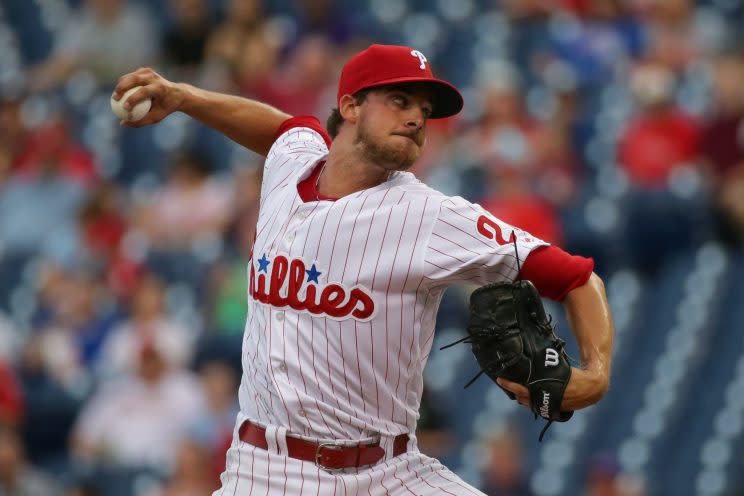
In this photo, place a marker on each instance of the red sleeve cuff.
(554, 272)
(303, 121)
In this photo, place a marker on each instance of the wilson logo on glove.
(551, 358)
(545, 407)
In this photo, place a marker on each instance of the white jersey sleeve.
(299, 140)
(469, 245)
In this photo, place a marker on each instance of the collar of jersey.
(308, 192)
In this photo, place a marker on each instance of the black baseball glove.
(512, 338)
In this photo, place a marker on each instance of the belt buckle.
(331, 446)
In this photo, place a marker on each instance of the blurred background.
(612, 128)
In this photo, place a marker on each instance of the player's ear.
(349, 108)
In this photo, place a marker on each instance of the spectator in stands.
(722, 146)
(659, 148)
(49, 407)
(11, 339)
(191, 204)
(677, 37)
(432, 433)
(606, 35)
(148, 322)
(603, 478)
(185, 41)
(5, 162)
(105, 37)
(17, 477)
(11, 400)
(244, 214)
(661, 138)
(226, 306)
(50, 291)
(14, 132)
(303, 86)
(140, 420)
(506, 142)
(52, 168)
(52, 145)
(86, 486)
(327, 19)
(83, 317)
(191, 475)
(103, 225)
(505, 132)
(243, 50)
(557, 174)
(511, 199)
(503, 470)
(214, 428)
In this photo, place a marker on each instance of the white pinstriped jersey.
(343, 295)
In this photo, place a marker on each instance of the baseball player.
(351, 258)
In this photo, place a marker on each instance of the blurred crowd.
(612, 128)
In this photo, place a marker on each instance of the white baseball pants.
(252, 471)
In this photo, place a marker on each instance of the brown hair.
(333, 124)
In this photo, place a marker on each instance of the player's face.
(391, 130)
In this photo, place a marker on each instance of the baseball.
(137, 112)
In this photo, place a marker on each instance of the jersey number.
(491, 230)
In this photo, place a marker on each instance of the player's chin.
(404, 159)
(405, 154)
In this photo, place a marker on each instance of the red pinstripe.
(418, 474)
(426, 481)
(441, 473)
(356, 328)
(395, 476)
(297, 339)
(280, 183)
(315, 371)
(470, 221)
(451, 241)
(446, 255)
(273, 378)
(404, 287)
(413, 340)
(503, 251)
(268, 473)
(341, 340)
(371, 337)
(480, 269)
(387, 292)
(253, 468)
(237, 474)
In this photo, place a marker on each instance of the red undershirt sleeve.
(303, 121)
(554, 272)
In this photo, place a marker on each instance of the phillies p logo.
(421, 57)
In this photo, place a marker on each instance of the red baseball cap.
(381, 65)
